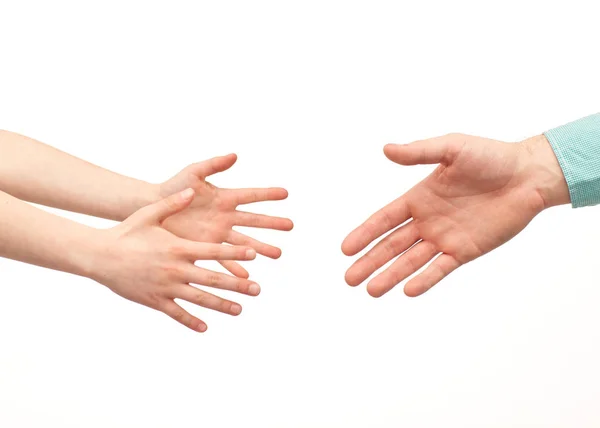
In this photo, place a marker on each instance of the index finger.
(248, 196)
(208, 251)
(387, 218)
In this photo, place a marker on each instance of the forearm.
(38, 173)
(33, 236)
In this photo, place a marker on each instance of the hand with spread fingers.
(141, 261)
(214, 211)
(137, 259)
(149, 257)
(482, 194)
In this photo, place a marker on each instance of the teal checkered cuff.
(577, 147)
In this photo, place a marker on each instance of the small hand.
(482, 194)
(143, 262)
(213, 212)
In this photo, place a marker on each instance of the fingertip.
(230, 160)
(201, 327)
(187, 194)
(271, 252)
(289, 225)
(350, 279)
(254, 289)
(279, 193)
(235, 309)
(250, 253)
(390, 150)
(411, 289)
(276, 254)
(375, 291)
(348, 249)
(413, 293)
(216, 165)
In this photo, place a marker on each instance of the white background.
(306, 93)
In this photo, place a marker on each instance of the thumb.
(212, 166)
(434, 150)
(161, 210)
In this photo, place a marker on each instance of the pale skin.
(149, 257)
(481, 195)
(35, 172)
(137, 259)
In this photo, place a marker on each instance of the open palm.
(213, 213)
(477, 199)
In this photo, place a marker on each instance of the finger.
(222, 281)
(207, 300)
(237, 238)
(407, 264)
(208, 251)
(235, 268)
(180, 315)
(159, 211)
(248, 196)
(434, 150)
(391, 246)
(440, 268)
(212, 166)
(385, 219)
(242, 218)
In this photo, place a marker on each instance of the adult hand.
(482, 194)
(143, 262)
(213, 212)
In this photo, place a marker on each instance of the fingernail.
(187, 193)
(253, 289)
(202, 328)
(236, 309)
(250, 253)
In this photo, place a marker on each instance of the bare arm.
(137, 259)
(35, 172)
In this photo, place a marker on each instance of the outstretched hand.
(482, 194)
(141, 261)
(214, 211)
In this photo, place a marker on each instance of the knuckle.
(179, 315)
(253, 221)
(410, 262)
(242, 287)
(213, 280)
(172, 271)
(389, 246)
(177, 251)
(153, 300)
(212, 252)
(438, 270)
(369, 263)
(370, 226)
(200, 299)
(225, 306)
(386, 219)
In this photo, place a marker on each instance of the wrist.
(543, 173)
(85, 257)
(141, 194)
